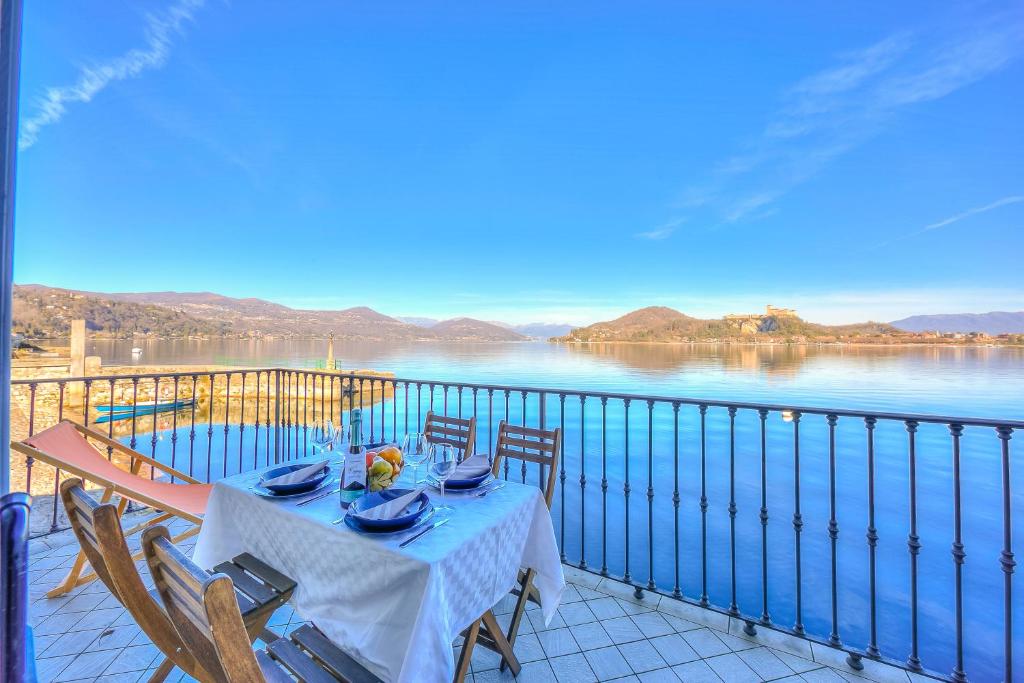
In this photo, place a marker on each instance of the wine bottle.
(354, 479)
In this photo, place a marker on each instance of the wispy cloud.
(661, 232)
(160, 29)
(835, 110)
(956, 218)
(1013, 199)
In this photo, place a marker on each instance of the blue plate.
(470, 483)
(291, 489)
(416, 509)
(260, 491)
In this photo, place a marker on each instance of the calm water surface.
(985, 382)
(981, 382)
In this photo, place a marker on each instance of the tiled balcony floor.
(601, 633)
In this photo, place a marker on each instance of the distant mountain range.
(661, 324)
(534, 330)
(996, 322)
(41, 311)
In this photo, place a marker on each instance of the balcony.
(602, 633)
(701, 540)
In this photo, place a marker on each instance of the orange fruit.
(392, 455)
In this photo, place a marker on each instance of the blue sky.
(529, 161)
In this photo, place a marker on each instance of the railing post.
(604, 486)
(650, 500)
(914, 546)
(833, 528)
(703, 506)
(958, 675)
(56, 475)
(872, 536)
(31, 430)
(1006, 556)
(798, 524)
(676, 590)
(734, 609)
(277, 416)
(763, 516)
(583, 480)
(626, 577)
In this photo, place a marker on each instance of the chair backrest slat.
(459, 432)
(527, 445)
(542, 446)
(203, 609)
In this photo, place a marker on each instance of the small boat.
(136, 351)
(110, 413)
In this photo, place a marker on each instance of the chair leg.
(520, 609)
(162, 671)
(73, 578)
(467, 653)
(508, 657)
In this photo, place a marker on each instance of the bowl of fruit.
(383, 465)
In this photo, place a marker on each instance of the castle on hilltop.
(752, 323)
(779, 312)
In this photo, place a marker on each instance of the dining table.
(396, 610)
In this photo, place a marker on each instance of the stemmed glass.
(415, 451)
(322, 435)
(443, 464)
(337, 443)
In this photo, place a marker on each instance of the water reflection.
(782, 360)
(943, 379)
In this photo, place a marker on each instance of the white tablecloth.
(395, 610)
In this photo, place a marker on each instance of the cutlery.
(417, 535)
(493, 488)
(316, 498)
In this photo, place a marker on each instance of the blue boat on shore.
(112, 413)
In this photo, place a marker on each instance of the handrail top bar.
(711, 403)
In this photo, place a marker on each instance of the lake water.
(978, 382)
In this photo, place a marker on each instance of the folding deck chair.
(66, 447)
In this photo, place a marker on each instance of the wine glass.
(322, 436)
(415, 451)
(443, 464)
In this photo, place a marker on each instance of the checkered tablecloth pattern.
(395, 610)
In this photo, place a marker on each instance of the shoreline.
(893, 344)
(989, 342)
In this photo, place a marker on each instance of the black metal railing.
(715, 476)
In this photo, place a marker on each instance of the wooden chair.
(544, 447)
(17, 654)
(455, 431)
(66, 446)
(205, 615)
(541, 446)
(260, 589)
